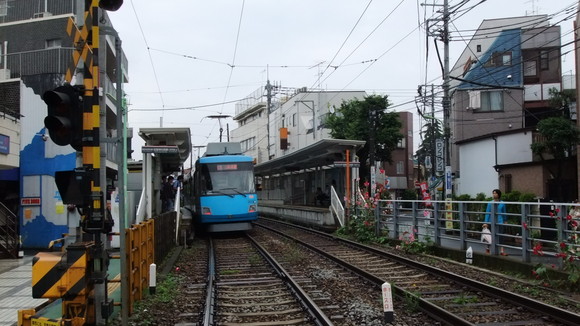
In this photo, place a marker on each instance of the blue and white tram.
(224, 191)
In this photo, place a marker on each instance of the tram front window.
(229, 178)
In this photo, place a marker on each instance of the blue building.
(35, 52)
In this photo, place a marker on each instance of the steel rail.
(318, 316)
(210, 288)
(427, 307)
(561, 315)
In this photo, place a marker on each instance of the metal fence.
(526, 227)
(47, 61)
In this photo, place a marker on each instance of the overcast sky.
(189, 59)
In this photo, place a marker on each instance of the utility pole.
(372, 134)
(268, 109)
(446, 101)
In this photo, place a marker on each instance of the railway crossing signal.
(65, 116)
(110, 5)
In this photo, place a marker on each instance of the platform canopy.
(171, 145)
(322, 153)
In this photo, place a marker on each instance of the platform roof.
(180, 137)
(322, 153)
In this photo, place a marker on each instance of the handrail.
(9, 239)
(177, 208)
(336, 206)
(141, 208)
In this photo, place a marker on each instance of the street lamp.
(219, 117)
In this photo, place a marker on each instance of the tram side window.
(205, 181)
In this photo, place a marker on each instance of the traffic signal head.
(65, 116)
(110, 5)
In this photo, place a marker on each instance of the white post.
(469, 255)
(387, 303)
(152, 278)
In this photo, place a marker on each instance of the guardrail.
(458, 225)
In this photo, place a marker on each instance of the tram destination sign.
(160, 149)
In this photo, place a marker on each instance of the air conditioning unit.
(42, 14)
(4, 74)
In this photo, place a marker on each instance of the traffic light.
(65, 116)
(110, 5)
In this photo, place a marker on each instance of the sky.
(190, 59)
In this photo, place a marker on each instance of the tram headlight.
(205, 211)
(252, 209)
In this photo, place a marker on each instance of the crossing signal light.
(110, 5)
(65, 116)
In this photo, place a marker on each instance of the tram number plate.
(44, 322)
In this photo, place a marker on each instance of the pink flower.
(525, 225)
(562, 245)
(366, 184)
(537, 250)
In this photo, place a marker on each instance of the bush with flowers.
(362, 222)
(411, 245)
(565, 250)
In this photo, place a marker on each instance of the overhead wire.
(149, 53)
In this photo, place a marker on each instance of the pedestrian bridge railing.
(528, 228)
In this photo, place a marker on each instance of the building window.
(53, 43)
(544, 60)
(479, 48)
(530, 68)
(508, 182)
(401, 143)
(3, 7)
(499, 59)
(294, 120)
(248, 144)
(491, 101)
(400, 167)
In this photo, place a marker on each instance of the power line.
(149, 53)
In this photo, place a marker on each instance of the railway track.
(247, 286)
(447, 297)
(346, 298)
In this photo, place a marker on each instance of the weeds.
(465, 299)
(412, 301)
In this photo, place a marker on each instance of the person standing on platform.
(500, 212)
(169, 194)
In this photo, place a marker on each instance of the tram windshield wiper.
(222, 193)
(236, 190)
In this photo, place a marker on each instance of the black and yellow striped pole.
(69, 108)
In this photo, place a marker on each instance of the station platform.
(16, 290)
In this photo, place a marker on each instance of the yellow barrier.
(140, 240)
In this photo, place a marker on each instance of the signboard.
(160, 149)
(30, 201)
(425, 193)
(342, 164)
(448, 183)
(439, 155)
(43, 321)
(4, 144)
(448, 214)
(373, 180)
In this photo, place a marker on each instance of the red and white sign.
(30, 201)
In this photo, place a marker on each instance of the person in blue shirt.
(500, 212)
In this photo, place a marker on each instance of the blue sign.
(4, 144)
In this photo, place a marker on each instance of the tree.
(559, 136)
(367, 120)
(431, 131)
(561, 100)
